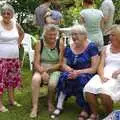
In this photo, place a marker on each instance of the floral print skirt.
(9, 73)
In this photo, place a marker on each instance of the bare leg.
(52, 89)
(51, 95)
(91, 99)
(36, 81)
(11, 95)
(107, 102)
(1, 104)
(2, 107)
(12, 98)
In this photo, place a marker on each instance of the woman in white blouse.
(106, 84)
(11, 36)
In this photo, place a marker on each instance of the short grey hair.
(50, 27)
(80, 28)
(7, 7)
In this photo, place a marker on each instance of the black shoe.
(56, 113)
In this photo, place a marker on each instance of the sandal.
(33, 115)
(56, 113)
(93, 117)
(83, 116)
(15, 104)
(3, 109)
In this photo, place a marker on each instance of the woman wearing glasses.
(106, 84)
(81, 61)
(11, 36)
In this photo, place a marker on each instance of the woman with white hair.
(11, 35)
(81, 61)
(106, 84)
(47, 63)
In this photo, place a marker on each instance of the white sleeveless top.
(9, 42)
(112, 62)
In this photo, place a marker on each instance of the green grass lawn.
(23, 96)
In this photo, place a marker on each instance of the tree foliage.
(70, 10)
(72, 13)
(23, 8)
(117, 11)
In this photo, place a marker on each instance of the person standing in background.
(40, 12)
(92, 18)
(54, 16)
(108, 10)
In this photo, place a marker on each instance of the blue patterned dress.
(115, 115)
(77, 62)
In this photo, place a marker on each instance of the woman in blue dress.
(81, 63)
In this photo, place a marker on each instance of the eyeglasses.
(51, 34)
(6, 13)
(76, 34)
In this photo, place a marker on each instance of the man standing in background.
(40, 12)
(39, 15)
(108, 10)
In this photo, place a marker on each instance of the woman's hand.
(67, 68)
(49, 70)
(70, 70)
(73, 74)
(19, 45)
(104, 79)
(42, 69)
(45, 77)
(115, 74)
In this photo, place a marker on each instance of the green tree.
(70, 10)
(117, 11)
(23, 8)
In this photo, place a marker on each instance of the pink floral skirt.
(9, 73)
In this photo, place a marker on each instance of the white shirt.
(9, 42)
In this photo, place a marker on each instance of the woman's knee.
(51, 86)
(90, 97)
(88, 94)
(36, 79)
(105, 98)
